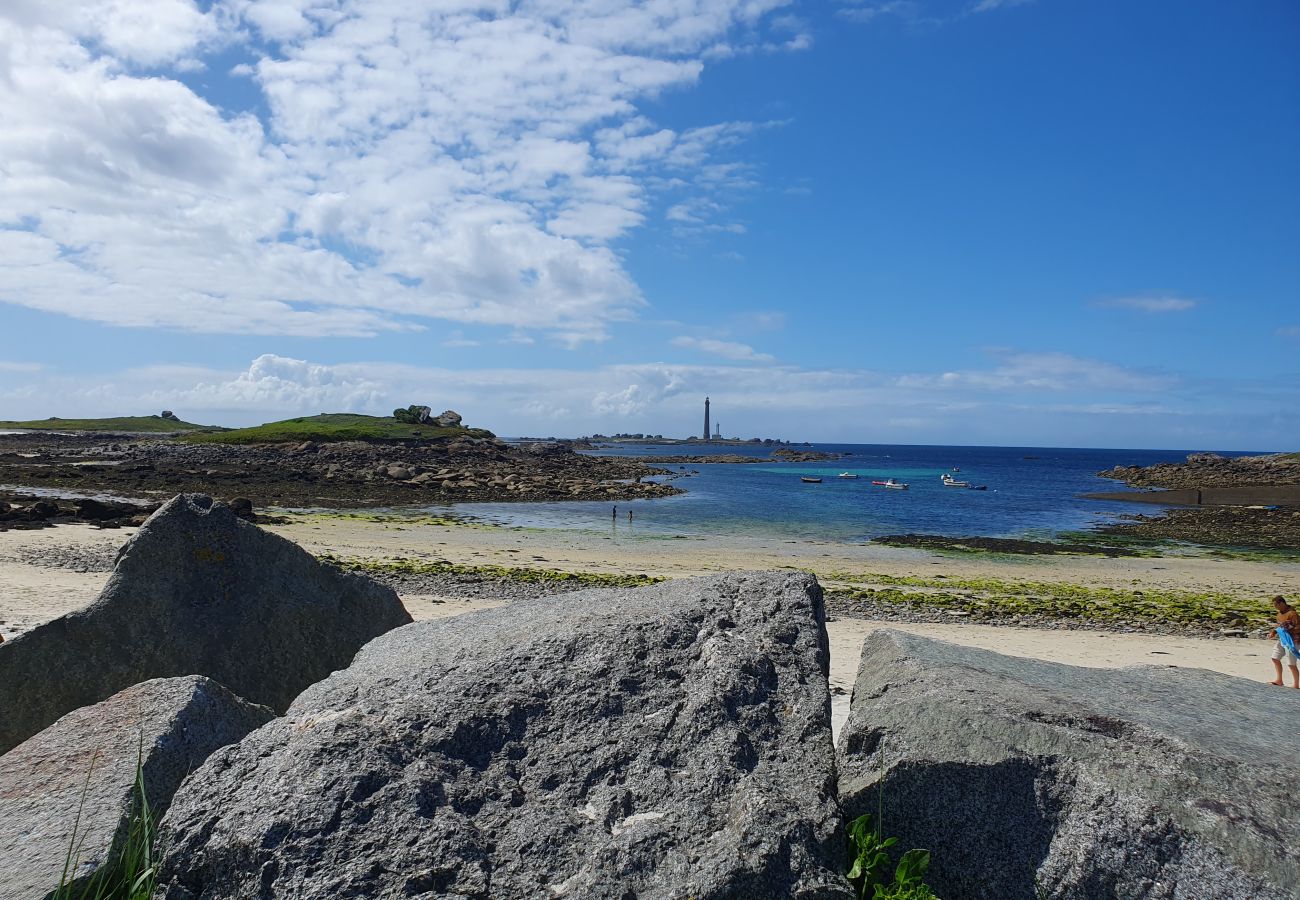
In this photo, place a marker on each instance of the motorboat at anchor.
(891, 483)
(846, 475)
(808, 479)
(949, 481)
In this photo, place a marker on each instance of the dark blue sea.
(1033, 492)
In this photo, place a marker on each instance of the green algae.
(408, 566)
(1007, 598)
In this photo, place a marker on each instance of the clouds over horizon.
(1020, 398)
(473, 164)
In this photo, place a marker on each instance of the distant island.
(164, 423)
(660, 439)
(328, 427)
(331, 460)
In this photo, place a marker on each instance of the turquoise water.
(1027, 497)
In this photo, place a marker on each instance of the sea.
(1032, 493)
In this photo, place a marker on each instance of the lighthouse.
(706, 418)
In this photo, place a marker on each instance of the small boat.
(808, 479)
(891, 483)
(846, 475)
(949, 481)
(979, 487)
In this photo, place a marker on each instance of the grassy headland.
(130, 424)
(338, 427)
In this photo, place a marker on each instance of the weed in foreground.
(131, 871)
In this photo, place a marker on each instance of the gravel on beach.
(85, 558)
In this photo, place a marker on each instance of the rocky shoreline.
(336, 475)
(1263, 514)
(1206, 470)
(943, 543)
(1243, 527)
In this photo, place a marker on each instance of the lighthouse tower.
(706, 418)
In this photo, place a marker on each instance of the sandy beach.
(53, 571)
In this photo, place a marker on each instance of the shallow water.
(1026, 497)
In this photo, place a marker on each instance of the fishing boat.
(808, 479)
(949, 481)
(846, 475)
(896, 485)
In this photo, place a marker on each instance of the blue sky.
(1040, 222)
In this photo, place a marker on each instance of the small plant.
(869, 871)
(131, 873)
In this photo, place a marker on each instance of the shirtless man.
(1289, 619)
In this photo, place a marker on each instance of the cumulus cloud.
(468, 162)
(1152, 304)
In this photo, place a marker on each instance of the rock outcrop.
(197, 591)
(1029, 779)
(669, 741)
(1205, 470)
(80, 775)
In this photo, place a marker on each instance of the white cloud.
(725, 349)
(457, 339)
(1042, 372)
(1065, 401)
(990, 5)
(1152, 304)
(922, 12)
(468, 162)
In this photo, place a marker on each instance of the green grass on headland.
(338, 427)
(405, 566)
(1007, 598)
(134, 424)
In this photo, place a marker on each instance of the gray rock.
(1033, 779)
(170, 725)
(448, 419)
(197, 591)
(665, 742)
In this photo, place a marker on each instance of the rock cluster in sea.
(659, 742)
(1203, 470)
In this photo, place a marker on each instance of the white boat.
(846, 475)
(949, 481)
(895, 485)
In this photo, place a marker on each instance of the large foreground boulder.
(79, 775)
(197, 591)
(666, 742)
(1032, 779)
